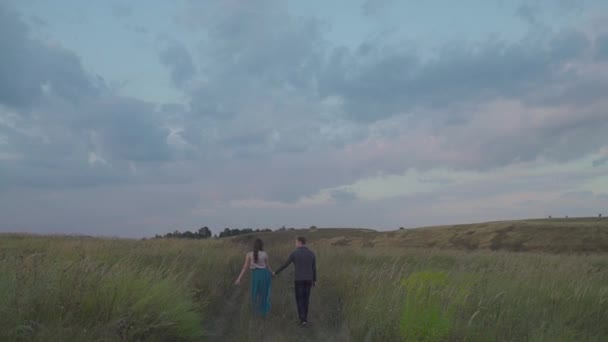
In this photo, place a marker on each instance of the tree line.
(205, 233)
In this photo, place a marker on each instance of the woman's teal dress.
(261, 286)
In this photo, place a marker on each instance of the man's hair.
(301, 239)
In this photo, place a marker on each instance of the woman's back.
(261, 262)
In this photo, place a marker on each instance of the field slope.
(452, 283)
(572, 235)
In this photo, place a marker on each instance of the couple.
(305, 276)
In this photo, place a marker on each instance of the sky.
(135, 118)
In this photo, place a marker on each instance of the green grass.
(75, 289)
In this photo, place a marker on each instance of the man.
(305, 275)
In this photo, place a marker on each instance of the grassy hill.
(572, 235)
(373, 286)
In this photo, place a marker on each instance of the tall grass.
(71, 288)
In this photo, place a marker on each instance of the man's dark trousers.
(302, 288)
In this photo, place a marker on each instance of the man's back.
(305, 275)
(304, 263)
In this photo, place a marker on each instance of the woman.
(261, 273)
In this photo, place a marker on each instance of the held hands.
(237, 282)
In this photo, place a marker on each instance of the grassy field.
(572, 235)
(371, 288)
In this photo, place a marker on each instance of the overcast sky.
(132, 118)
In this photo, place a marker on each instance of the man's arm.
(289, 261)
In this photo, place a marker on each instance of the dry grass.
(71, 288)
(573, 235)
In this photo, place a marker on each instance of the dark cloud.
(128, 129)
(252, 51)
(398, 81)
(63, 126)
(249, 62)
(178, 59)
(112, 141)
(27, 65)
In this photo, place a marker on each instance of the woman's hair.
(258, 245)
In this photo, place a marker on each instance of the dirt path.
(228, 324)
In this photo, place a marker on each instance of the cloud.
(252, 51)
(600, 161)
(343, 196)
(475, 106)
(578, 195)
(38, 65)
(601, 47)
(54, 115)
(277, 116)
(121, 10)
(136, 28)
(178, 59)
(528, 12)
(39, 22)
(395, 81)
(371, 7)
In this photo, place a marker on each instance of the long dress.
(261, 285)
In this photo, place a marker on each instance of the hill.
(572, 235)
(379, 289)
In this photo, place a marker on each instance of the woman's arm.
(243, 270)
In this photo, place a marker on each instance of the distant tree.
(313, 227)
(401, 228)
(549, 216)
(175, 234)
(204, 233)
(225, 233)
(599, 216)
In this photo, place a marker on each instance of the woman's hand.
(245, 267)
